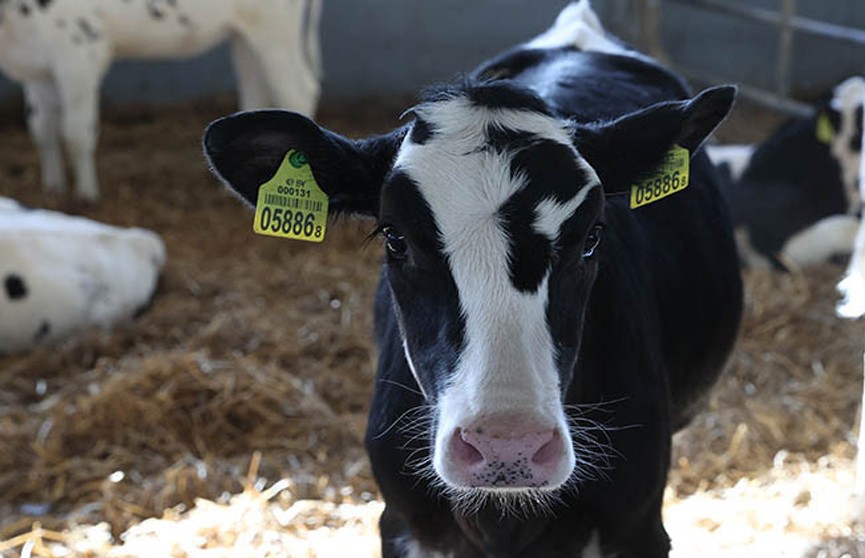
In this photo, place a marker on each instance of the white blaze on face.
(508, 362)
(846, 98)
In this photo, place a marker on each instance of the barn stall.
(230, 414)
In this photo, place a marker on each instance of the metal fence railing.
(785, 19)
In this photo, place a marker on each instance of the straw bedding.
(228, 419)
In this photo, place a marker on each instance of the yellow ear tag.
(825, 131)
(670, 178)
(291, 205)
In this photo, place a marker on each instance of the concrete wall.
(374, 47)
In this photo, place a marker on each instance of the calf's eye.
(592, 241)
(395, 243)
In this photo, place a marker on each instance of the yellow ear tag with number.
(291, 205)
(671, 178)
(825, 131)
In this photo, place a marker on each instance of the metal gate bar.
(796, 22)
(787, 22)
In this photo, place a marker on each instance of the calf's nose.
(515, 457)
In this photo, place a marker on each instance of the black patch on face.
(505, 140)
(502, 95)
(421, 131)
(856, 140)
(155, 13)
(489, 94)
(551, 171)
(43, 3)
(422, 284)
(24, 9)
(835, 119)
(403, 206)
(16, 288)
(529, 252)
(42, 332)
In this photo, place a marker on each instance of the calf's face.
(480, 206)
(491, 210)
(844, 111)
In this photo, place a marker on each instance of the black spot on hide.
(90, 33)
(42, 332)
(16, 288)
(856, 140)
(421, 131)
(502, 95)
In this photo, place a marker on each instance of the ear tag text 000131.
(291, 204)
(671, 178)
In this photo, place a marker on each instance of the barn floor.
(234, 407)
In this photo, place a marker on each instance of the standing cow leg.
(290, 79)
(852, 287)
(252, 89)
(79, 96)
(43, 119)
(312, 37)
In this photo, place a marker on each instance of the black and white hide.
(539, 340)
(62, 275)
(795, 197)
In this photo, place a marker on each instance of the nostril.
(464, 451)
(549, 452)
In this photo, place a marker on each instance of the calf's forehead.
(499, 183)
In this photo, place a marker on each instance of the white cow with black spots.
(60, 50)
(61, 274)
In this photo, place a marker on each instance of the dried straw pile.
(250, 345)
(767, 469)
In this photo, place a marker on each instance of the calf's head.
(491, 209)
(844, 113)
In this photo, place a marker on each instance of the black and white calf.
(539, 340)
(61, 275)
(60, 50)
(795, 197)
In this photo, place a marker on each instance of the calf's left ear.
(246, 149)
(623, 150)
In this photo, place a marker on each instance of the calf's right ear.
(246, 149)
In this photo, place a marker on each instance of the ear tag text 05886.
(291, 205)
(671, 178)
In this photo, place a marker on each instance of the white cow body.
(61, 274)
(60, 50)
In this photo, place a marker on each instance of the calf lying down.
(61, 275)
(795, 197)
(540, 340)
